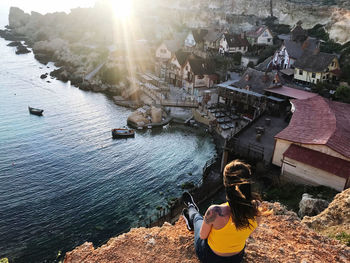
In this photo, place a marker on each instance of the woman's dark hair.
(242, 201)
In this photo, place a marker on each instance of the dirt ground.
(280, 237)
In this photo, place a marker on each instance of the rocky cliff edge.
(281, 237)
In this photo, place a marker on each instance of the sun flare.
(122, 8)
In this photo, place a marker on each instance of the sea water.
(63, 179)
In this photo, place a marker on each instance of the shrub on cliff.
(343, 94)
(318, 32)
(267, 52)
(280, 28)
(41, 36)
(112, 75)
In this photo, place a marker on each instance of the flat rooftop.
(267, 140)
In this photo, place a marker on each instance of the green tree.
(237, 57)
(250, 64)
(111, 75)
(343, 94)
(319, 32)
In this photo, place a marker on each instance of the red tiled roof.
(320, 121)
(236, 40)
(319, 160)
(291, 92)
(257, 32)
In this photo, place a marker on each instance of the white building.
(261, 36)
(291, 51)
(233, 43)
(315, 147)
(198, 76)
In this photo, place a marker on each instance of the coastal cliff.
(336, 17)
(78, 43)
(281, 237)
(334, 14)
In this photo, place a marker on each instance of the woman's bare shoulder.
(216, 211)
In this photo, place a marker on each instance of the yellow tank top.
(228, 239)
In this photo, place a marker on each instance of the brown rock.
(335, 218)
(279, 238)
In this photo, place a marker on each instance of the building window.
(269, 40)
(300, 72)
(313, 75)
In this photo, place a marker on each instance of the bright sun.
(122, 8)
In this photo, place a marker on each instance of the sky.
(45, 6)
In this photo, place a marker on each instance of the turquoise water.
(63, 180)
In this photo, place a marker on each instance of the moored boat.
(35, 111)
(122, 133)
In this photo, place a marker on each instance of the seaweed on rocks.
(42, 58)
(22, 50)
(14, 44)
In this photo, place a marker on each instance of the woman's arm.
(209, 218)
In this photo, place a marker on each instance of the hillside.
(334, 14)
(335, 219)
(280, 238)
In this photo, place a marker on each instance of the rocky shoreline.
(65, 72)
(75, 59)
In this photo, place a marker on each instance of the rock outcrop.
(334, 219)
(279, 238)
(310, 206)
(17, 17)
(22, 50)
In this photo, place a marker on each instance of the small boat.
(35, 111)
(122, 133)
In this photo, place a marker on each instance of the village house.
(195, 39)
(167, 49)
(315, 147)
(245, 102)
(291, 51)
(247, 96)
(261, 36)
(233, 43)
(198, 75)
(317, 67)
(175, 68)
(164, 53)
(212, 40)
(257, 81)
(298, 34)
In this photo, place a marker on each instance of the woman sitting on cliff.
(221, 236)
